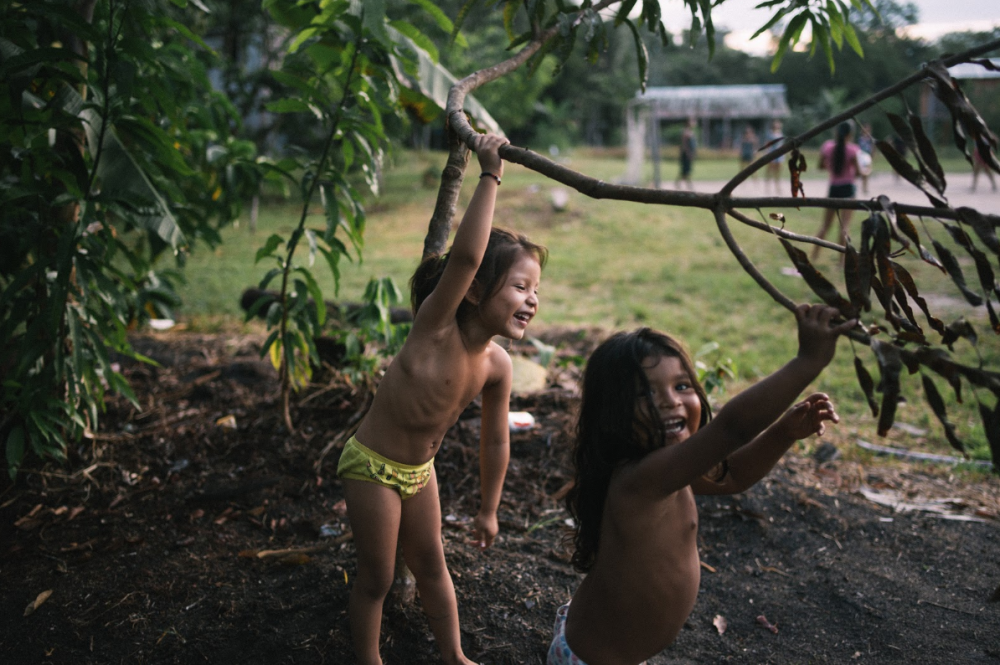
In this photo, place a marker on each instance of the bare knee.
(427, 566)
(373, 583)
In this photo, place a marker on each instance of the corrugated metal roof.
(715, 101)
(970, 70)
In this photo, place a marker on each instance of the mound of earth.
(199, 529)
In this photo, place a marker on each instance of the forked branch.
(870, 270)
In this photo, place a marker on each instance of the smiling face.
(509, 310)
(674, 397)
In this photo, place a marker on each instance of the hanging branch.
(873, 268)
(460, 132)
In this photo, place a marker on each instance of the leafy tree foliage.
(118, 153)
(115, 151)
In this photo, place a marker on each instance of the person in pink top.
(840, 158)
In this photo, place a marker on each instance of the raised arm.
(755, 460)
(470, 241)
(750, 412)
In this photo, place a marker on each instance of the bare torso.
(424, 391)
(636, 598)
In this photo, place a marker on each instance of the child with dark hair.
(485, 286)
(840, 157)
(646, 444)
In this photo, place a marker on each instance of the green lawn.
(614, 265)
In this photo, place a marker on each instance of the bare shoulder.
(500, 369)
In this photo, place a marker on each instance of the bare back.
(644, 582)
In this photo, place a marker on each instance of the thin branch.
(746, 263)
(781, 232)
(461, 130)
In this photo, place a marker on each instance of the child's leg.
(374, 512)
(420, 538)
(824, 228)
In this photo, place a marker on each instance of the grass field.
(616, 265)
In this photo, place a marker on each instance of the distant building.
(720, 110)
(980, 85)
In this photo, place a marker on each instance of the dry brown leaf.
(37, 602)
(228, 422)
(762, 620)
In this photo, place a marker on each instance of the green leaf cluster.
(345, 62)
(115, 152)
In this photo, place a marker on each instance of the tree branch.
(461, 133)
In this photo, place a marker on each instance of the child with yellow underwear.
(646, 444)
(485, 286)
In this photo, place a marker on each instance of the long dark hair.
(840, 149)
(618, 423)
(502, 250)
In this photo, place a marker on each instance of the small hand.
(807, 417)
(484, 529)
(486, 147)
(818, 334)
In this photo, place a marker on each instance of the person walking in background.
(747, 146)
(979, 165)
(840, 157)
(688, 148)
(867, 144)
(772, 172)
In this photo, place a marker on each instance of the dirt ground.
(157, 542)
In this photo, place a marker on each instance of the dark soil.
(153, 540)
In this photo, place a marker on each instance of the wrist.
(491, 175)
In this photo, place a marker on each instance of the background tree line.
(580, 99)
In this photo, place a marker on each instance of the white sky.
(936, 17)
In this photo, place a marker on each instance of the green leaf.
(788, 38)
(373, 18)
(642, 55)
(333, 260)
(186, 32)
(623, 11)
(822, 34)
(268, 249)
(15, 450)
(316, 293)
(773, 20)
(418, 38)
(271, 274)
(509, 12)
(439, 16)
(852, 38)
(266, 346)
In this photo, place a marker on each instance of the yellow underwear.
(360, 463)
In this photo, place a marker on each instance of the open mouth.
(523, 317)
(673, 426)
